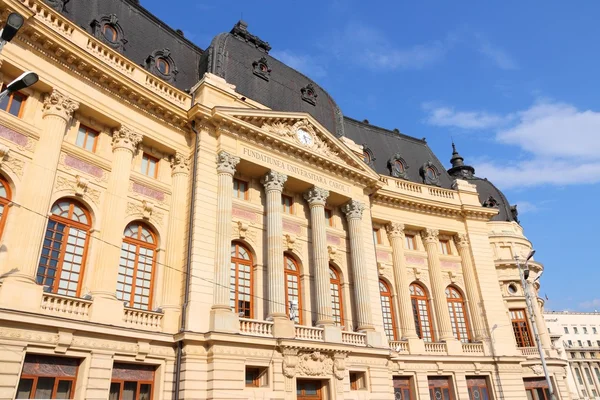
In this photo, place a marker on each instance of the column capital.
(274, 180)
(353, 209)
(126, 138)
(430, 235)
(227, 162)
(180, 164)
(59, 104)
(316, 196)
(462, 240)
(395, 229)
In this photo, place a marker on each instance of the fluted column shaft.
(226, 164)
(407, 323)
(354, 210)
(114, 209)
(180, 169)
(472, 289)
(273, 182)
(430, 237)
(316, 198)
(38, 184)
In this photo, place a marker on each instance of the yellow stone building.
(237, 242)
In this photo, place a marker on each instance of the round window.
(366, 157)
(109, 32)
(512, 288)
(431, 173)
(162, 65)
(263, 68)
(399, 166)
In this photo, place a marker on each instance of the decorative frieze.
(83, 166)
(148, 192)
(18, 138)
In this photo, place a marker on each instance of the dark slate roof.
(231, 55)
(143, 32)
(384, 144)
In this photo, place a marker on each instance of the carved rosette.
(430, 235)
(353, 209)
(226, 163)
(395, 229)
(180, 164)
(125, 138)
(462, 240)
(274, 181)
(316, 196)
(60, 105)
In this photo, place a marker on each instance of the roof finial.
(456, 160)
(459, 169)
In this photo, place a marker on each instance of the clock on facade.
(304, 137)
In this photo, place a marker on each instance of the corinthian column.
(407, 323)
(462, 243)
(430, 237)
(24, 243)
(354, 211)
(316, 198)
(273, 182)
(180, 170)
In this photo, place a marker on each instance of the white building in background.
(576, 336)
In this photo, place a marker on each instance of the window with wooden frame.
(257, 376)
(478, 388)
(240, 189)
(358, 380)
(456, 309)
(135, 282)
(131, 382)
(162, 65)
(64, 249)
(521, 328)
(376, 236)
(421, 312)
(445, 247)
(110, 33)
(87, 138)
(47, 377)
(5, 198)
(309, 389)
(293, 286)
(536, 389)
(440, 388)
(402, 388)
(410, 242)
(14, 103)
(240, 293)
(335, 284)
(287, 204)
(387, 310)
(329, 216)
(149, 166)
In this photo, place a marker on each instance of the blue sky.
(514, 83)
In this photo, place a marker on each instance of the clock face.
(304, 137)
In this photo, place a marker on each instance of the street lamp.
(25, 80)
(14, 22)
(524, 274)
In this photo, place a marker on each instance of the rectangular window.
(358, 380)
(131, 381)
(585, 329)
(240, 189)
(87, 138)
(402, 388)
(536, 389)
(439, 388)
(288, 204)
(566, 329)
(47, 377)
(594, 331)
(521, 328)
(149, 166)
(445, 247)
(588, 375)
(598, 343)
(376, 236)
(579, 343)
(572, 355)
(575, 330)
(329, 216)
(478, 388)
(570, 343)
(410, 242)
(597, 372)
(257, 376)
(579, 378)
(13, 103)
(594, 393)
(589, 342)
(582, 355)
(593, 354)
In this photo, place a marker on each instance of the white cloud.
(590, 304)
(304, 63)
(498, 56)
(526, 207)
(446, 116)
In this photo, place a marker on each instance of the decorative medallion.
(430, 174)
(397, 166)
(304, 137)
(304, 134)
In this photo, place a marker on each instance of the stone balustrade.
(354, 338)
(420, 190)
(399, 346)
(142, 319)
(439, 348)
(309, 333)
(473, 348)
(65, 306)
(529, 351)
(254, 327)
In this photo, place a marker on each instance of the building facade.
(187, 223)
(576, 337)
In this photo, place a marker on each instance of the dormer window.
(368, 156)
(107, 29)
(109, 33)
(162, 65)
(430, 174)
(309, 95)
(397, 166)
(261, 68)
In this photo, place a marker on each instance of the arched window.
(421, 312)
(456, 308)
(137, 267)
(65, 248)
(162, 65)
(5, 197)
(293, 292)
(110, 33)
(335, 283)
(387, 309)
(240, 293)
